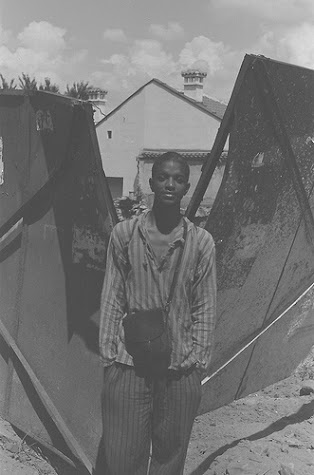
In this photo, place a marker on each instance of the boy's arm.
(203, 310)
(113, 301)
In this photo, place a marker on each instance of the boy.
(142, 257)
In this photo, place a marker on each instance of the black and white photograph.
(157, 237)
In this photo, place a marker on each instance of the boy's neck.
(166, 218)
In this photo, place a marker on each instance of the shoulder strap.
(176, 272)
(133, 226)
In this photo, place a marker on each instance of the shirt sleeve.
(203, 310)
(113, 301)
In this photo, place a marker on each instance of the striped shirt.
(136, 280)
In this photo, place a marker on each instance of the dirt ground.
(270, 432)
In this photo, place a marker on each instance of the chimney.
(97, 97)
(193, 83)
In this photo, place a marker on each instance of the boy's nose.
(170, 183)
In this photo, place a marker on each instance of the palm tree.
(28, 84)
(5, 84)
(79, 90)
(48, 86)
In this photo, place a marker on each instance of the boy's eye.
(178, 179)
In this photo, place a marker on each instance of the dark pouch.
(148, 341)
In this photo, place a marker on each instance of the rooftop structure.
(194, 83)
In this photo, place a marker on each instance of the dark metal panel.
(265, 256)
(50, 135)
(277, 352)
(14, 139)
(15, 152)
(66, 231)
(10, 257)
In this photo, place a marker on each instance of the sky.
(119, 45)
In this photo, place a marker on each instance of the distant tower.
(97, 97)
(193, 83)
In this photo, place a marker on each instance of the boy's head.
(171, 156)
(170, 179)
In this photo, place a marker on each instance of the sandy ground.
(270, 432)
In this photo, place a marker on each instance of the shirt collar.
(178, 236)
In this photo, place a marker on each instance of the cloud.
(115, 34)
(5, 36)
(43, 36)
(116, 60)
(41, 51)
(203, 48)
(293, 45)
(284, 11)
(148, 56)
(171, 32)
(296, 45)
(145, 59)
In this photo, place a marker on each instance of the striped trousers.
(138, 412)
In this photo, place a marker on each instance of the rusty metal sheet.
(51, 264)
(262, 224)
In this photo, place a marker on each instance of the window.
(109, 134)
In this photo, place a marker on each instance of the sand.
(270, 432)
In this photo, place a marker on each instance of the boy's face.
(169, 183)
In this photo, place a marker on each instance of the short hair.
(169, 156)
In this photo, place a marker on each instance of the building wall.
(173, 123)
(152, 119)
(119, 153)
(99, 109)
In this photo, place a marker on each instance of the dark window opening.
(109, 134)
(115, 186)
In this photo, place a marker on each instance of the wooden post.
(221, 137)
(47, 402)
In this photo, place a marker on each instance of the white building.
(154, 119)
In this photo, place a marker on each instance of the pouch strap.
(176, 272)
(166, 306)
